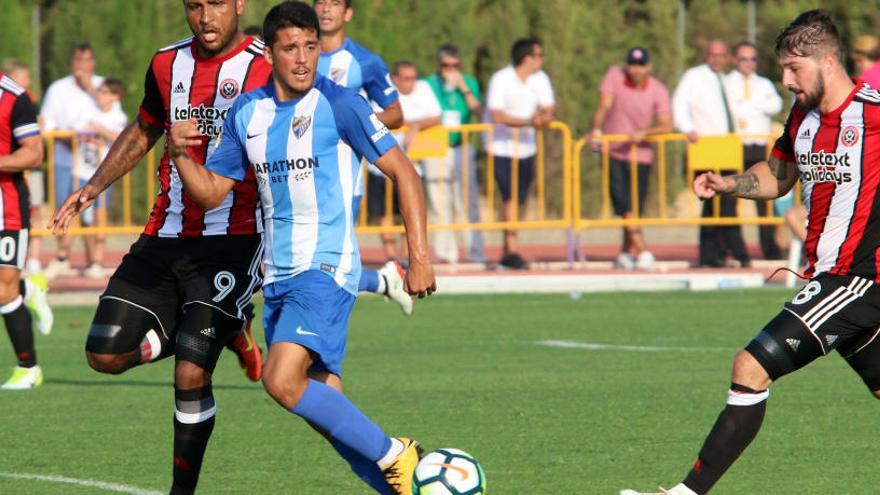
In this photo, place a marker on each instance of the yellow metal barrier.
(539, 220)
(660, 166)
(558, 197)
(127, 225)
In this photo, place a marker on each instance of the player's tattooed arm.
(785, 173)
(765, 180)
(132, 144)
(745, 186)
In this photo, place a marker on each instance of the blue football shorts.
(312, 310)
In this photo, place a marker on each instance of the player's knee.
(286, 391)
(749, 372)
(783, 346)
(113, 364)
(9, 291)
(125, 330)
(876, 394)
(188, 375)
(204, 332)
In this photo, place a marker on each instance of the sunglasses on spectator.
(450, 65)
(747, 59)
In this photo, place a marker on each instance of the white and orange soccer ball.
(449, 472)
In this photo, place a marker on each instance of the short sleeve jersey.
(634, 108)
(838, 157)
(18, 120)
(305, 154)
(181, 85)
(355, 67)
(519, 99)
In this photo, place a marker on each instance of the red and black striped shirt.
(180, 85)
(838, 157)
(18, 120)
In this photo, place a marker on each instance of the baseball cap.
(637, 56)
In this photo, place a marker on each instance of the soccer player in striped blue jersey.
(303, 136)
(350, 64)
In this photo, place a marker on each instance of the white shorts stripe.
(833, 304)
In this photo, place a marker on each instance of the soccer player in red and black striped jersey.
(832, 143)
(20, 149)
(184, 288)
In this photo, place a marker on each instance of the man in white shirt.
(753, 101)
(520, 98)
(700, 106)
(68, 106)
(420, 111)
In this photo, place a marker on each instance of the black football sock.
(736, 427)
(18, 325)
(196, 409)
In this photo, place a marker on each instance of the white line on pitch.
(592, 346)
(110, 487)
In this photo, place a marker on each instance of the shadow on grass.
(141, 383)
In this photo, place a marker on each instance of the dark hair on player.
(522, 48)
(289, 14)
(811, 34)
(347, 3)
(255, 31)
(116, 86)
(85, 46)
(448, 50)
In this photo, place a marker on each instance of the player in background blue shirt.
(304, 136)
(351, 65)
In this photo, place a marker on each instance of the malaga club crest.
(337, 74)
(301, 125)
(849, 136)
(229, 88)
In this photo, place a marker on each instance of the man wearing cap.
(865, 55)
(633, 103)
(753, 102)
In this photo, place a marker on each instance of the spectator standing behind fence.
(866, 58)
(459, 98)
(520, 98)
(700, 107)
(631, 102)
(67, 105)
(753, 102)
(19, 72)
(421, 111)
(102, 128)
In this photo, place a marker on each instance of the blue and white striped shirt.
(306, 155)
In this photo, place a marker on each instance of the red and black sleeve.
(152, 109)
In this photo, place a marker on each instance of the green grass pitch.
(466, 372)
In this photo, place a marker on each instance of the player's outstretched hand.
(183, 133)
(419, 279)
(75, 204)
(709, 183)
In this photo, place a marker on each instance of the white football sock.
(395, 450)
(680, 489)
(383, 285)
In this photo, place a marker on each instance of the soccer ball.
(449, 472)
